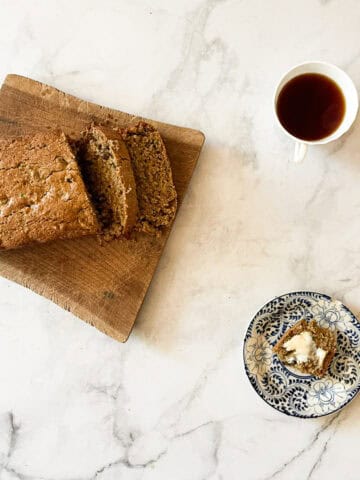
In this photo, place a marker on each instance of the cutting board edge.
(61, 300)
(27, 80)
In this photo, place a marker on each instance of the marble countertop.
(173, 403)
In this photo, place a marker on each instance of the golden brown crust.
(323, 337)
(42, 195)
(156, 193)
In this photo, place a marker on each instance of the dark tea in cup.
(311, 106)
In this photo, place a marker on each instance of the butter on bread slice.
(307, 347)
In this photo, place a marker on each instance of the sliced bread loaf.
(42, 194)
(155, 188)
(107, 172)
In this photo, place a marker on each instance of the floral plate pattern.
(296, 394)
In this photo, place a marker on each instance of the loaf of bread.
(119, 180)
(42, 194)
(155, 188)
(106, 169)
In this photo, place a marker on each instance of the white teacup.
(348, 89)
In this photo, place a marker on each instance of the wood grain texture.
(103, 285)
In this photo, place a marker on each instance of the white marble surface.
(174, 402)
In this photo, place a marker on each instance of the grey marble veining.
(174, 402)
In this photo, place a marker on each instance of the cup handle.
(299, 152)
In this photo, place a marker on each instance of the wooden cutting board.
(103, 285)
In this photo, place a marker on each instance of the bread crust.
(42, 194)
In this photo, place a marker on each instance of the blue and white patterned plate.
(296, 394)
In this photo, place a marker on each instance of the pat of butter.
(301, 346)
(321, 354)
(303, 349)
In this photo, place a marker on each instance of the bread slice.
(307, 347)
(155, 188)
(42, 195)
(106, 169)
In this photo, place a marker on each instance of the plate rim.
(306, 417)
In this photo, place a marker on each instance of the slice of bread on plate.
(307, 347)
